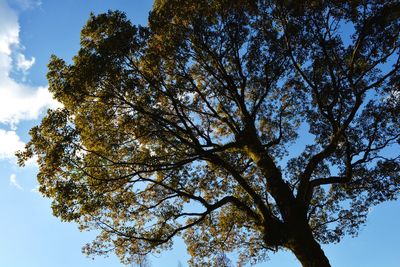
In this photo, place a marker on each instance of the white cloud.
(18, 101)
(14, 182)
(27, 4)
(35, 189)
(9, 144)
(24, 64)
(9, 30)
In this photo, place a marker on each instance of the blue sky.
(32, 30)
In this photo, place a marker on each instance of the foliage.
(142, 261)
(221, 260)
(185, 127)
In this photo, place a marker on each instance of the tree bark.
(309, 252)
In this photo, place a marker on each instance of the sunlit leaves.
(185, 127)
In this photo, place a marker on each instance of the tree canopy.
(192, 125)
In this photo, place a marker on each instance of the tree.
(221, 260)
(142, 261)
(184, 127)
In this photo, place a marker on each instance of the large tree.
(192, 127)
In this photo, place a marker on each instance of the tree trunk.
(309, 252)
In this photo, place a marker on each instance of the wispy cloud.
(14, 182)
(18, 101)
(24, 64)
(35, 189)
(25, 4)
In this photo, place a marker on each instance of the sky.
(30, 236)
